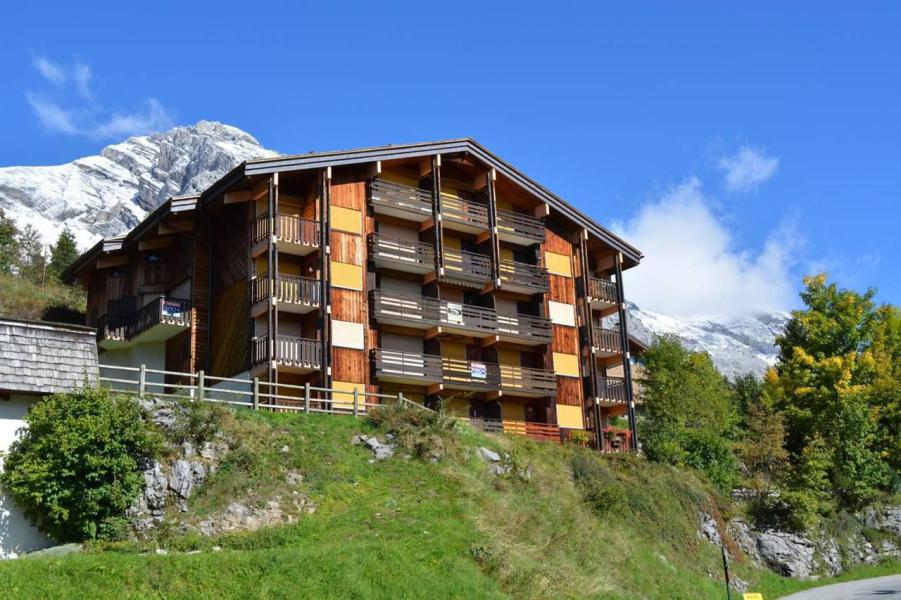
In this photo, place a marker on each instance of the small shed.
(36, 359)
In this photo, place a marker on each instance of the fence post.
(256, 393)
(400, 399)
(306, 397)
(356, 402)
(142, 380)
(200, 385)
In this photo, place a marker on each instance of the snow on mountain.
(105, 195)
(738, 345)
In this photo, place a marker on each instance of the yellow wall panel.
(569, 416)
(401, 179)
(558, 264)
(509, 357)
(453, 350)
(566, 364)
(345, 219)
(345, 401)
(506, 254)
(512, 411)
(347, 276)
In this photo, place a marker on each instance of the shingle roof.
(42, 358)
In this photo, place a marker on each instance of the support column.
(325, 307)
(436, 212)
(624, 336)
(591, 393)
(270, 267)
(492, 227)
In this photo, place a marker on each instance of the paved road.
(886, 588)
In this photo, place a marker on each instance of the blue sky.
(739, 145)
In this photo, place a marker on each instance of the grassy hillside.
(22, 299)
(412, 528)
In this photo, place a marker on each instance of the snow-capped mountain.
(104, 195)
(738, 345)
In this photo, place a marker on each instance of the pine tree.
(63, 253)
(31, 260)
(8, 243)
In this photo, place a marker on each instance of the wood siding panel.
(562, 289)
(566, 339)
(348, 305)
(346, 247)
(569, 391)
(349, 365)
(200, 298)
(555, 242)
(230, 331)
(348, 191)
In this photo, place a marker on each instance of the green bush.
(423, 433)
(77, 467)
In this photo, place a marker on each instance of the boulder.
(489, 455)
(786, 553)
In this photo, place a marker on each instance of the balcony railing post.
(142, 380)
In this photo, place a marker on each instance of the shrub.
(600, 487)
(76, 468)
(423, 433)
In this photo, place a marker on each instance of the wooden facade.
(437, 270)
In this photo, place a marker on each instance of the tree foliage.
(63, 253)
(690, 417)
(76, 468)
(9, 244)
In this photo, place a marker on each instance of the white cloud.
(691, 265)
(748, 169)
(78, 113)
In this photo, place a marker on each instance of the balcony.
(524, 329)
(392, 308)
(401, 201)
(526, 382)
(523, 278)
(602, 295)
(400, 255)
(467, 268)
(607, 342)
(610, 391)
(289, 354)
(545, 432)
(518, 228)
(466, 319)
(156, 321)
(463, 215)
(470, 375)
(405, 367)
(293, 235)
(292, 294)
(616, 440)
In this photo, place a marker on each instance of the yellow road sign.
(754, 596)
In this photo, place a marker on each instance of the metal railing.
(527, 380)
(396, 306)
(467, 212)
(248, 393)
(608, 340)
(288, 288)
(289, 228)
(525, 326)
(402, 197)
(394, 363)
(401, 252)
(520, 225)
(467, 316)
(524, 275)
(161, 310)
(470, 374)
(287, 350)
(546, 432)
(603, 290)
(611, 389)
(467, 266)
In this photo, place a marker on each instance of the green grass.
(415, 529)
(23, 299)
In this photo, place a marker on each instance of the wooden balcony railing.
(526, 327)
(616, 440)
(470, 374)
(288, 350)
(527, 381)
(163, 310)
(477, 319)
(467, 266)
(546, 432)
(404, 254)
(465, 212)
(514, 225)
(608, 340)
(523, 275)
(611, 389)
(396, 196)
(602, 290)
(289, 228)
(394, 306)
(393, 363)
(112, 327)
(288, 288)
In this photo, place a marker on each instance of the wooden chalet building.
(435, 269)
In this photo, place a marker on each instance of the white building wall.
(150, 354)
(17, 534)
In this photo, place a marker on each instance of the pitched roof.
(38, 357)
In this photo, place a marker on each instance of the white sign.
(455, 313)
(478, 370)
